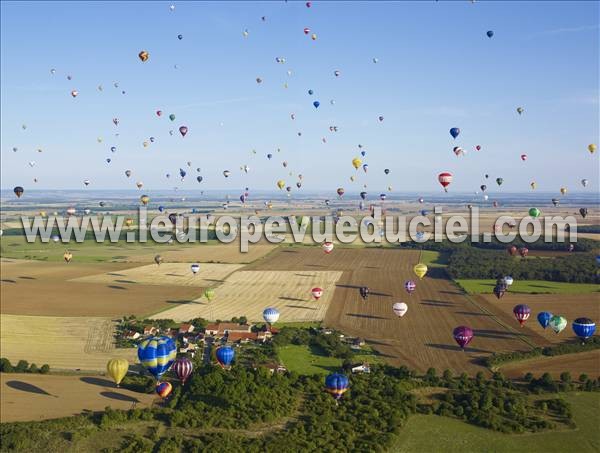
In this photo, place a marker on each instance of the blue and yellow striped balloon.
(157, 354)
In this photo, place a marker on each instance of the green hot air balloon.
(209, 293)
(499, 181)
(557, 323)
(172, 117)
(534, 212)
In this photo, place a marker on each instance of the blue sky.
(436, 69)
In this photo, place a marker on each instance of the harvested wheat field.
(576, 364)
(31, 397)
(48, 289)
(63, 343)
(248, 293)
(166, 274)
(209, 253)
(570, 306)
(423, 337)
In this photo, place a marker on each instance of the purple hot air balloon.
(463, 336)
(183, 368)
(410, 286)
(183, 130)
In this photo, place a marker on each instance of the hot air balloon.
(483, 187)
(463, 336)
(164, 389)
(327, 247)
(458, 150)
(356, 163)
(508, 280)
(18, 191)
(199, 178)
(209, 293)
(555, 202)
(225, 355)
(363, 195)
(117, 369)
(183, 130)
(557, 323)
(306, 30)
(270, 315)
(420, 270)
(139, 184)
(584, 182)
(158, 259)
(313, 36)
(489, 33)
(281, 184)
(533, 185)
(143, 55)
(592, 148)
(534, 212)
(499, 291)
(144, 199)
(316, 293)
(380, 118)
(445, 179)
(74, 93)
(340, 191)
(522, 313)
(410, 286)
(400, 308)
(520, 110)
(544, 318)
(523, 157)
(386, 171)
(499, 181)
(454, 132)
(365, 168)
(226, 173)
(157, 354)
(523, 251)
(563, 190)
(316, 104)
(382, 196)
(336, 384)
(336, 73)
(67, 256)
(172, 117)
(195, 268)
(583, 212)
(584, 328)
(183, 368)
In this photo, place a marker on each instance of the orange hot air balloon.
(144, 55)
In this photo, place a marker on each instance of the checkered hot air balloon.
(157, 354)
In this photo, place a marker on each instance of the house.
(151, 330)
(132, 335)
(364, 368)
(242, 337)
(188, 348)
(275, 368)
(186, 328)
(222, 328)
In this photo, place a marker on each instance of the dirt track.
(29, 397)
(423, 337)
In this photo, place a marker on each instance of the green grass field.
(529, 287)
(430, 433)
(434, 259)
(301, 359)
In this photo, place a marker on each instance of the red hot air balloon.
(523, 251)
(327, 247)
(522, 313)
(445, 179)
(512, 250)
(463, 336)
(523, 157)
(183, 130)
(317, 293)
(183, 368)
(158, 112)
(306, 31)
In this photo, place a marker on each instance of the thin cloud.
(558, 31)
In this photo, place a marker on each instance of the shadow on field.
(27, 278)
(119, 397)
(304, 275)
(116, 287)
(314, 265)
(360, 315)
(26, 387)
(449, 292)
(114, 274)
(183, 301)
(130, 282)
(348, 286)
(216, 280)
(292, 299)
(7, 280)
(499, 334)
(300, 306)
(471, 313)
(449, 347)
(175, 275)
(289, 251)
(97, 381)
(437, 303)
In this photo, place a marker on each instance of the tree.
(6, 366)
(583, 377)
(33, 368)
(447, 375)
(528, 377)
(565, 377)
(45, 369)
(22, 366)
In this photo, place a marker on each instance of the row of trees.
(22, 366)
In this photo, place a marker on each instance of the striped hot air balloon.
(317, 293)
(445, 180)
(271, 315)
(336, 384)
(410, 286)
(584, 328)
(157, 354)
(183, 368)
(522, 313)
(327, 247)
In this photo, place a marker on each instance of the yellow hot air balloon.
(117, 369)
(563, 190)
(128, 222)
(209, 293)
(420, 270)
(356, 163)
(592, 148)
(144, 199)
(68, 256)
(281, 184)
(42, 213)
(533, 185)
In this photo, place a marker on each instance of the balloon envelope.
(544, 318)
(164, 389)
(336, 384)
(157, 354)
(400, 308)
(270, 315)
(462, 335)
(183, 367)
(117, 369)
(584, 327)
(225, 355)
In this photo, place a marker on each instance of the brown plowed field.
(570, 306)
(43, 289)
(423, 337)
(583, 362)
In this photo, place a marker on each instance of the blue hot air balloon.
(269, 156)
(316, 104)
(182, 172)
(597, 259)
(584, 328)
(310, 92)
(544, 318)
(336, 384)
(157, 354)
(424, 212)
(225, 355)
(490, 33)
(363, 153)
(363, 195)
(161, 209)
(454, 132)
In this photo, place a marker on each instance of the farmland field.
(176, 274)
(569, 306)
(430, 433)
(301, 359)
(582, 362)
(63, 343)
(30, 397)
(47, 289)
(530, 287)
(248, 293)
